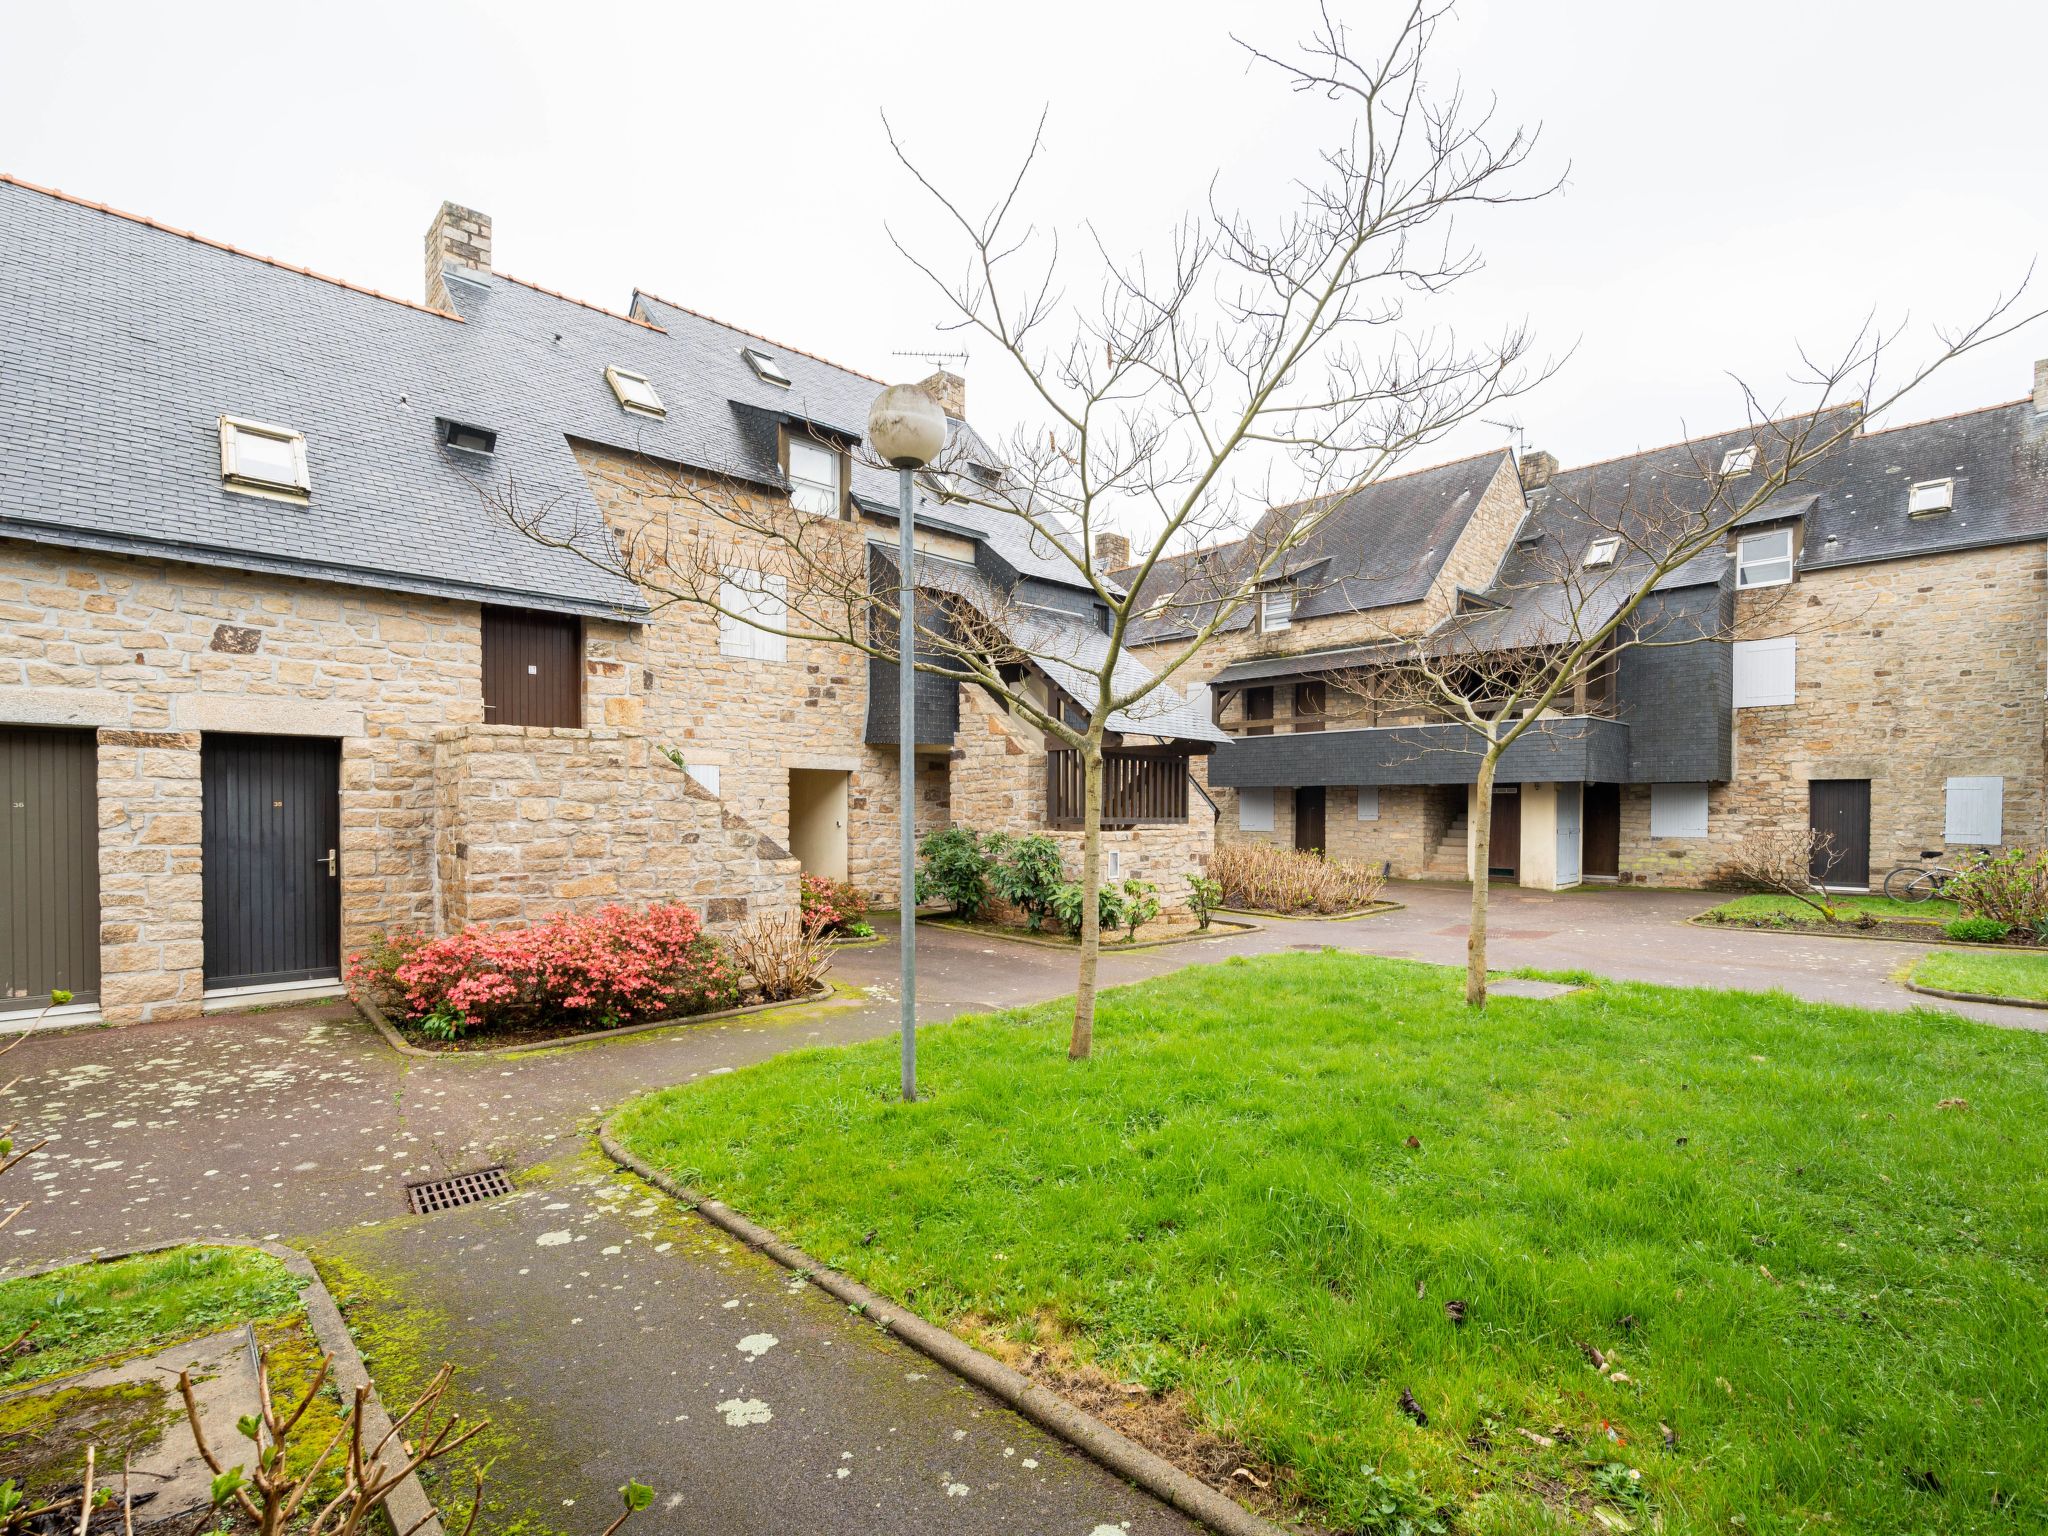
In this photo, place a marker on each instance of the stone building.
(316, 623)
(1865, 655)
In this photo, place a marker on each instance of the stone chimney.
(1112, 551)
(1537, 468)
(949, 389)
(458, 237)
(2041, 387)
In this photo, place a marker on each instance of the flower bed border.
(407, 1506)
(375, 1015)
(1073, 946)
(1318, 917)
(1049, 1411)
(1832, 931)
(1975, 997)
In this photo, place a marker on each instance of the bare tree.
(1494, 670)
(1245, 365)
(1792, 861)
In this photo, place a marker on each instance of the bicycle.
(1919, 882)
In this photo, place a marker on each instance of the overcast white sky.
(1742, 176)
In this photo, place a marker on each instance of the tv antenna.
(1514, 428)
(936, 359)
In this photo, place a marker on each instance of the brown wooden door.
(1311, 702)
(533, 668)
(1308, 818)
(1504, 851)
(1258, 711)
(1840, 810)
(49, 866)
(270, 859)
(1602, 832)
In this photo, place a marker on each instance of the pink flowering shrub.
(594, 970)
(830, 906)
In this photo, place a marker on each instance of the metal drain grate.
(463, 1189)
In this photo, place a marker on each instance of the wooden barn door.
(49, 866)
(270, 846)
(533, 668)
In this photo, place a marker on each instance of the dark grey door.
(1839, 810)
(1309, 834)
(49, 866)
(272, 858)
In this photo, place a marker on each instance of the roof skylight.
(634, 390)
(456, 434)
(1930, 496)
(1739, 461)
(1601, 552)
(264, 459)
(765, 366)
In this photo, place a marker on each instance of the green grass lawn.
(1986, 971)
(1882, 908)
(1832, 1289)
(91, 1312)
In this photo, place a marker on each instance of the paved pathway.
(612, 1325)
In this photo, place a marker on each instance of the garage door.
(49, 866)
(271, 859)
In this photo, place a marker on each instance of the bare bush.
(785, 957)
(1262, 877)
(1783, 859)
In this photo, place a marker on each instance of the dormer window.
(1764, 559)
(816, 472)
(1928, 497)
(1276, 609)
(634, 391)
(1601, 552)
(460, 435)
(1739, 461)
(765, 367)
(262, 459)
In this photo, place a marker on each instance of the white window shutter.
(771, 606)
(765, 599)
(1976, 811)
(1368, 802)
(1255, 810)
(734, 637)
(1678, 810)
(1766, 671)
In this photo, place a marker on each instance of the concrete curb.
(1084, 1432)
(1110, 947)
(1378, 909)
(407, 1504)
(1976, 997)
(365, 1006)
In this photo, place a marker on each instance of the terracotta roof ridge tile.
(220, 245)
(1705, 437)
(569, 298)
(644, 293)
(1974, 410)
(1406, 474)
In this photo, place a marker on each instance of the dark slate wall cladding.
(1551, 751)
(1678, 697)
(938, 704)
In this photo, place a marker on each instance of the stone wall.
(533, 822)
(151, 919)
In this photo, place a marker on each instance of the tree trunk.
(1083, 1040)
(1481, 856)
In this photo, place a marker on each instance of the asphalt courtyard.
(611, 1335)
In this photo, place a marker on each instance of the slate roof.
(1381, 546)
(126, 342)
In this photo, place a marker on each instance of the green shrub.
(955, 870)
(1204, 896)
(1029, 876)
(1067, 907)
(2009, 887)
(1977, 930)
(1141, 905)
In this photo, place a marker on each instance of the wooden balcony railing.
(1139, 789)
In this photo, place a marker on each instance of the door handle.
(329, 861)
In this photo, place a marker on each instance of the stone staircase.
(1447, 859)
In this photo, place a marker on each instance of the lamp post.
(907, 428)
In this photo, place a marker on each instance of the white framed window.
(765, 366)
(1678, 810)
(1739, 461)
(1116, 864)
(1976, 811)
(1368, 802)
(1766, 671)
(1255, 810)
(1764, 559)
(255, 456)
(1927, 497)
(1276, 609)
(745, 595)
(635, 392)
(813, 476)
(1601, 552)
